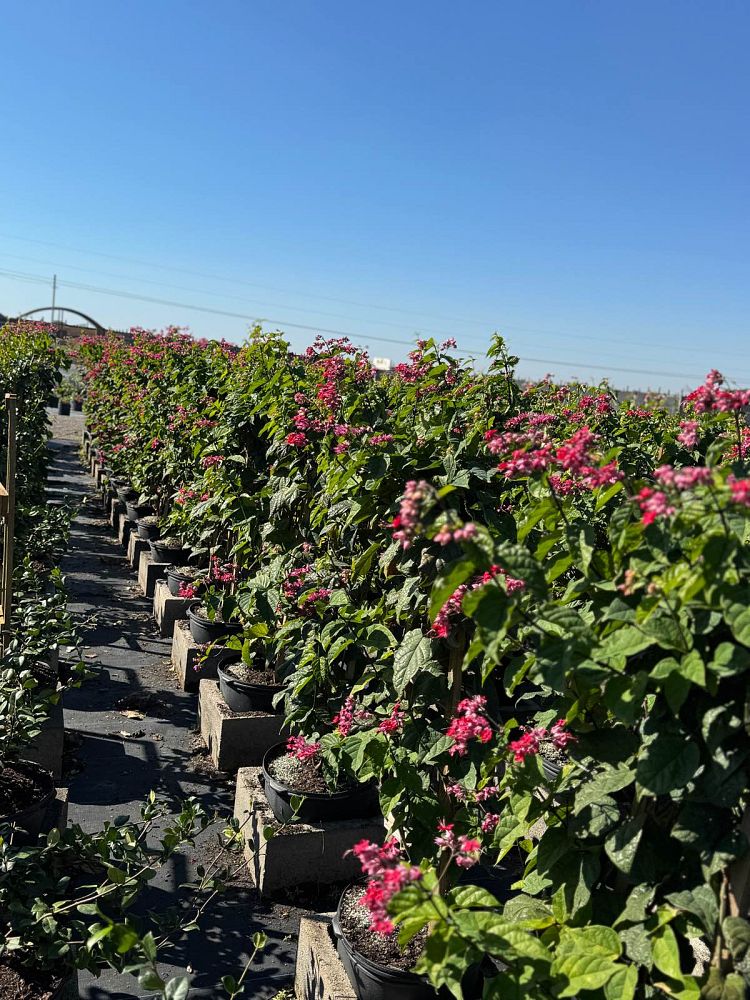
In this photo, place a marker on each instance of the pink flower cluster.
(348, 714)
(186, 590)
(740, 490)
(388, 875)
(394, 721)
(688, 435)
(308, 602)
(529, 743)
(710, 397)
(464, 850)
(653, 504)
(219, 572)
(442, 624)
(211, 460)
(294, 582)
(407, 523)
(296, 440)
(461, 534)
(686, 478)
(469, 723)
(378, 439)
(299, 747)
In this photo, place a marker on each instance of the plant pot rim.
(386, 972)
(241, 685)
(279, 750)
(48, 795)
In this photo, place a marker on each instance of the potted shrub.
(207, 621)
(298, 786)
(185, 581)
(248, 681)
(148, 527)
(78, 404)
(63, 405)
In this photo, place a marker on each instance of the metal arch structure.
(97, 326)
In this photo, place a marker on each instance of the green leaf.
(624, 981)
(149, 979)
(411, 657)
(448, 582)
(177, 988)
(665, 952)
(668, 763)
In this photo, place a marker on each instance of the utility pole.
(54, 290)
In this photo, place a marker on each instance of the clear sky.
(573, 174)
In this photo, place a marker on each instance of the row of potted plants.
(516, 611)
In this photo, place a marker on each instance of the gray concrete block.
(57, 813)
(124, 527)
(149, 572)
(319, 973)
(116, 508)
(169, 609)
(46, 749)
(136, 545)
(185, 655)
(298, 852)
(98, 475)
(234, 739)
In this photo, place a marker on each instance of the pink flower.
(298, 747)
(344, 718)
(307, 604)
(688, 433)
(296, 440)
(407, 522)
(447, 535)
(560, 736)
(464, 850)
(740, 490)
(388, 875)
(469, 723)
(528, 744)
(489, 822)
(212, 460)
(653, 504)
(394, 721)
(186, 590)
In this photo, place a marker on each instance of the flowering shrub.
(522, 613)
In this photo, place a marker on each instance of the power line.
(38, 279)
(463, 321)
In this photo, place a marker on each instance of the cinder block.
(298, 852)
(116, 508)
(124, 528)
(149, 572)
(136, 545)
(234, 739)
(46, 749)
(319, 973)
(99, 476)
(93, 466)
(57, 813)
(169, 609)
(185, 655)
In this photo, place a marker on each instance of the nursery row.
(518, 619)
(64, 894)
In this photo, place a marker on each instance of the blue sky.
(572, 174)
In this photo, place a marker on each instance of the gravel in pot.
(376, 964)
(206, 630)
(247, 689)
(285, 777)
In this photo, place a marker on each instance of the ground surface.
(118, 759)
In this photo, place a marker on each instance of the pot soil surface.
(18, 790)
(17, 983)
(298, 775)
(383, 949)
(241, 672)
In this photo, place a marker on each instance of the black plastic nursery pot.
(135, 510)
(78, 405)
(242, 696)
(63, 409)
(353, 802)
(30, 822)
(52, 401)
(167, 554)
(125, 492)
(204, 630)
(373, 981)
(148, 532)
(175, 580)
